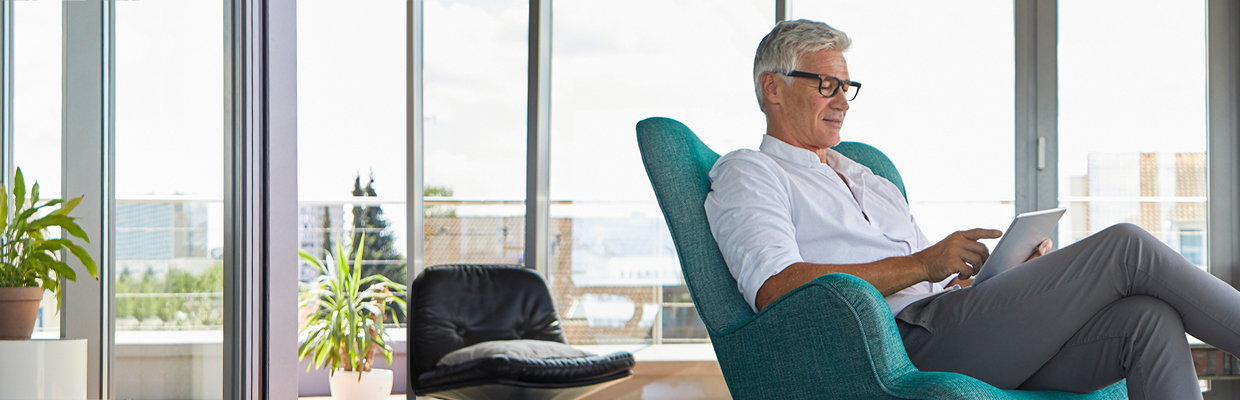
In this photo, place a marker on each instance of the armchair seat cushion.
(524, 348)
(550, 372)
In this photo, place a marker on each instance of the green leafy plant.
(28, 256)
(346, 331)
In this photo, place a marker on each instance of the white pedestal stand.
(43, 369)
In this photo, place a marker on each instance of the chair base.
(496, 391)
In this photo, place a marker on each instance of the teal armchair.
(834, 337)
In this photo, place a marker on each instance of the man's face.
(809, 120)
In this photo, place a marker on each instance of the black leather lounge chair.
(452, 307)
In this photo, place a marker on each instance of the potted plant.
(29, 256)
(346, 331)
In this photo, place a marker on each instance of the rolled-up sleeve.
(749, 210)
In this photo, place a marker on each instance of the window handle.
(1041, 153)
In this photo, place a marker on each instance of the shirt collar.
(805, 158)
(844, 165)
(784, 151)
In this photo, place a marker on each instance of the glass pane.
(37, 27)
(931, 130)
(169, 190)
(475, 105)
(614, 270)
(351, 180)
(1130, 151)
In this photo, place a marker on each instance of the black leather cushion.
(523, 348)
(532, 370)
(454, 306)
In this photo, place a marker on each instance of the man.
(1115, 305)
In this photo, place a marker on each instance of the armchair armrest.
(834, 335)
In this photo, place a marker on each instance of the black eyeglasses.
(828, 85)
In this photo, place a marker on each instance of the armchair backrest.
(455, 306)
(678, 164)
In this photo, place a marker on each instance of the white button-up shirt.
(781, 205)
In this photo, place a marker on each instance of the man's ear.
(771, 88)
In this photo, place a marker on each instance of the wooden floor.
(669, 380)
(394, 397)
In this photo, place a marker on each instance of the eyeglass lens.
(827, 85)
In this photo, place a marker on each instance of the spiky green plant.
(28, 257)
(346, 331)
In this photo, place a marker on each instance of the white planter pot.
(375, 384)
(43, 369)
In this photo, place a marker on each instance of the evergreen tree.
(379, 240)
(327, 230)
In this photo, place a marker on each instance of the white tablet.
(1019, 241)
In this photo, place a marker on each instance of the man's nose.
(839, 101)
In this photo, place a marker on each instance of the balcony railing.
(177, 240)
(607, 257)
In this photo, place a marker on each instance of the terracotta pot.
(19, 308)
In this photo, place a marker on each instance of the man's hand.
(958, 253)
(1042, 249)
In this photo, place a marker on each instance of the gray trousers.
(1114, 305)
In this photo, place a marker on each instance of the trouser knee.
(1133, 241)
(1147, 319)
(1128, 230)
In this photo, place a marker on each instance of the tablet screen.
(1019, 241)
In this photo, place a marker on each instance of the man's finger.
(965, 271)
(979, 233)
(972, 258)
(976, 248)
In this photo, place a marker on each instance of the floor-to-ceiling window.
(351, 134)
(170, 124)
(612, 263)
(352, 130)
(36, 112)
(474, 113)
(1132, 120)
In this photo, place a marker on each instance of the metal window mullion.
(657, 331)
(413, 140)
(87, 170)
(1037, 105)
(279, 176)
(6, 91)
(783, 10)
(1223, 123)
(260, 200)
(241, 380)
(538, 136)
(413, 162)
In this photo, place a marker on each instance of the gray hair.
(781, 49)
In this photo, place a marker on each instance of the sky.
(36, 92)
